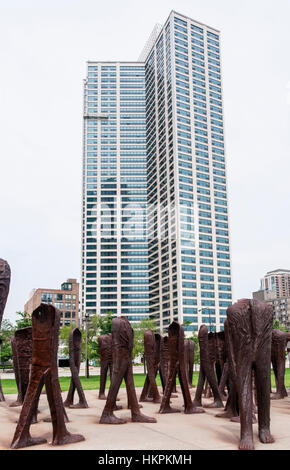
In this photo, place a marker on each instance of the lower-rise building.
(65, 299)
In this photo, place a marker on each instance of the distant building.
(66, 299)
(275, 289)
(277, 281)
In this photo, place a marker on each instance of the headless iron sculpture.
(45, 331)
(177, 367)
(250, 333)
(75, 344)
(278, 348)
(152, 355)
(122, 346)
(208, 359)
(105, 350)
(22, 357)
(5, 275)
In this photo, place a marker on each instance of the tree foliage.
(139, 330)
(7, 331)
(277, 326)
(94, 327)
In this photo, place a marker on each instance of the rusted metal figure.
(75, 345)
(122, 346)
(152, 356)
(177, 367)
(189, 347)
(250, 334)
(5, 275)
(45, 331)
(22, 357)
(105, 350)
(211, 359)
(278, 349)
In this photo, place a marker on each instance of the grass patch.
(93, 382)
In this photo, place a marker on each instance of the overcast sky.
(44, 46)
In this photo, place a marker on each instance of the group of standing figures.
(235, 368)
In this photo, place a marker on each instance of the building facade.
(114, 235)
(277, 281)
(157, 142)
(275, 289)
(66, 299)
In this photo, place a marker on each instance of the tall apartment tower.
(167, 112)
(115, 274)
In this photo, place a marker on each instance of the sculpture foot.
(102, 396)
(79, 405)
(140, 418)
(227, 414)
(266, 437)
(246, 444)
(193, 410)
(110, 418)
(16, 403)
(27, 441)
(168, 409)
(196, 403)
(236, 419)
(68, 438)
(215, 404)
(274, 396)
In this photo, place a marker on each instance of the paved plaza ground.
(172, 431)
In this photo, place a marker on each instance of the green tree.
(7, 331)
(23, 321)
(277, 326)
(95, 326)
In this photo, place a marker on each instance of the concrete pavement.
(172, 431)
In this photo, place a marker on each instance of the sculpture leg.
(263, 379)
(145, 390)
(70, 396)
(22, 437)
(137, 416)
(224, 379)
(118, 373)
(279, 371)
(165, 403)
(19, 399)
(61, 435)
(189, 406)
(103, 379)
(153, 386)
(77, 384)
(244, 388)
(199, 389)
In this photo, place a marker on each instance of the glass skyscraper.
(155, 220)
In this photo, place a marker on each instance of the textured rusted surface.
(22, 357)
(191, 362)
(106, 358)
(211, 356)
(278, 349)
(45, 331)
(152, 356)
(177, 367)
(250, 334)
(5, 275)
(122, 346)
(75, 351)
